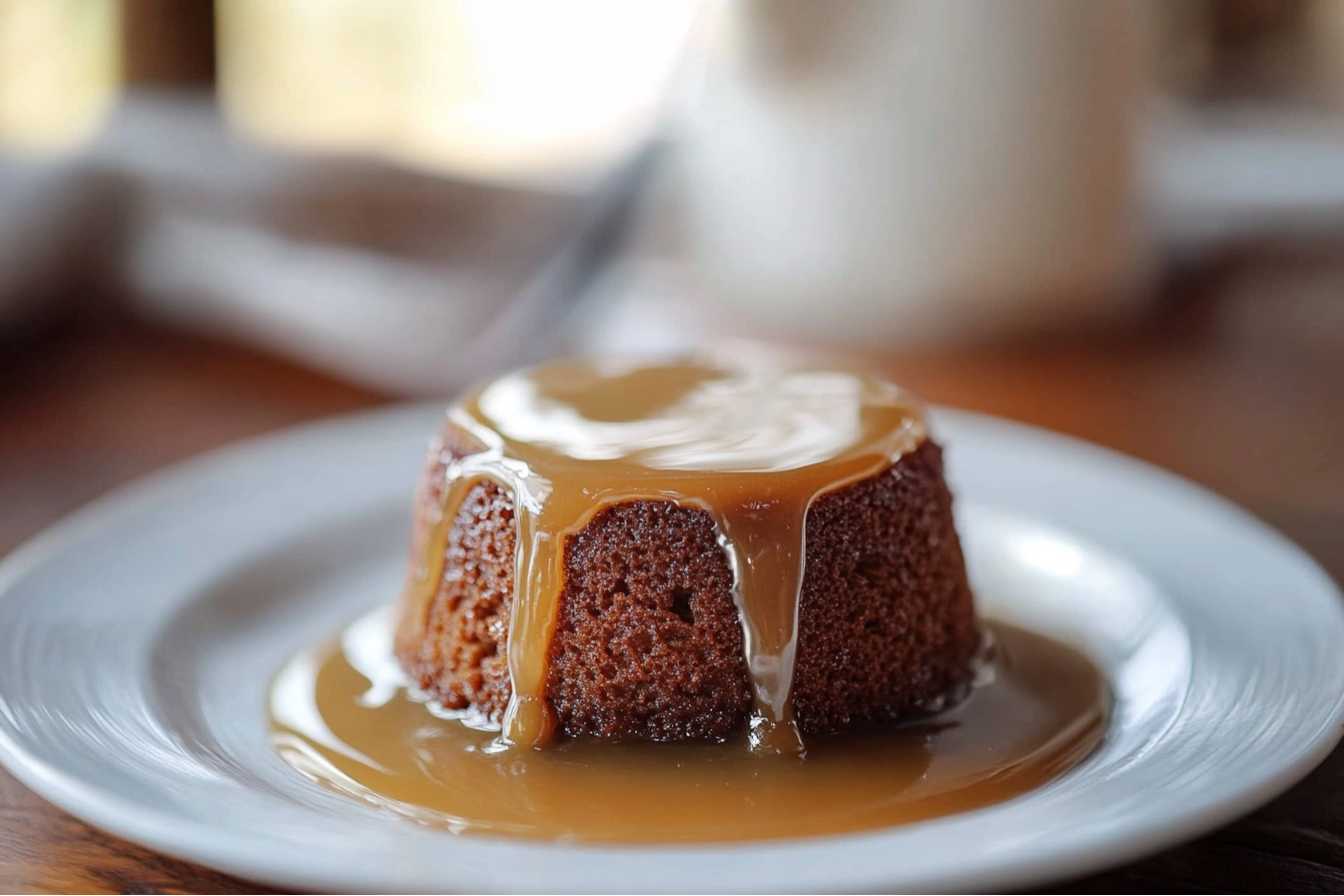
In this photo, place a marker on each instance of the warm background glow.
(491, 87)
(59, 62)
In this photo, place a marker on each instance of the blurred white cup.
(880, 171)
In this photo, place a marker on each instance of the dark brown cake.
(649, 643)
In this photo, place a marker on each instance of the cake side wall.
(648, 643)
(455, 646)
(887, 623)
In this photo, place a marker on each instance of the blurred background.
(1120, 220)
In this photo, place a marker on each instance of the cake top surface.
(698, 417)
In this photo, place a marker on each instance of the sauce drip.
(752, 447)
(342, 716)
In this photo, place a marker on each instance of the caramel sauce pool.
(343, 717)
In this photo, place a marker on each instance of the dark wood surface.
(1236, 380)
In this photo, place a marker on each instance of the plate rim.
(196, 841)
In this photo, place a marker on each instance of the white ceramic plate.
(137, 641)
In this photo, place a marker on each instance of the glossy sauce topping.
(753, 447)
(342, 716)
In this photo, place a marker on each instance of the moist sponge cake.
(645, 635)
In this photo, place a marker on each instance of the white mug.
(879, 171)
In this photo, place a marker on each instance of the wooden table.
(1237, 382)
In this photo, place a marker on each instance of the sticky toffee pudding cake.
(685, 552)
